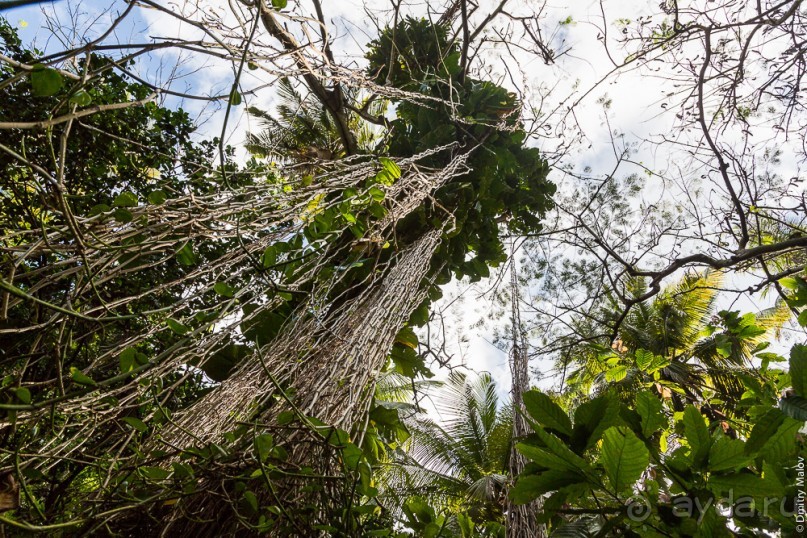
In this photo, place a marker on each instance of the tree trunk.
(521, 519)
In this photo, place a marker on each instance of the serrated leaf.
(616, 374)
(136, 423)
(546, 412)
(80, 377)
(624, 457)
(45, 81)
(727, 454)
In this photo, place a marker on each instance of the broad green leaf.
(530, 487)
(251, 500)
(643, 358)
(624, 457)
(592, 418)
(407, 337)
(235, 97)
(762, 431)
(186, 256)
(263, 445)
(224, 289)
(783, 443)
(727, 454)
(697, 435)
(391, 167)
(125, 199)
(23, 394)
(651, 410)
(154, 473)
(45, 81)
(744, 485)
(546, 412)
(616, 374)
(136, 423)
(81, 98)
(80, 377)
(157, 197)
(279, 4)
(798, 369)
(128, 358)
(177, 327)
(794, 407)
(269, 257)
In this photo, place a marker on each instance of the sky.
(629, 110)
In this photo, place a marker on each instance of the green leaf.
(697, 435)
(727, 454)
(23, 395)
(235, 97)
(643, 358)
(251, 500)
(98, 209)
(616, 374)
(624, 457)
(744, 485)
(798, 369)
(783, 443)
(122, 215)
(80, 377)
(764, 428)
(592, 418)
(224, 289)
(263, 445)
(185, 255)
(157, 197)
(128, 358)
(555, 455)
(125, 199)
(651, 410)
(407, 337)
(81, 98)
(286, 417)
(794, 407)
(177, 327)
(391, 167)
(546, 412)
(269, 257)
(136, 423)
(45, 81)
(530, 487)
(279, 4)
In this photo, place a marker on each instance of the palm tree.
(303, 129)
(703, 350)
(459, 462)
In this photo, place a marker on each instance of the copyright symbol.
(638, 509)
(800, 528)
